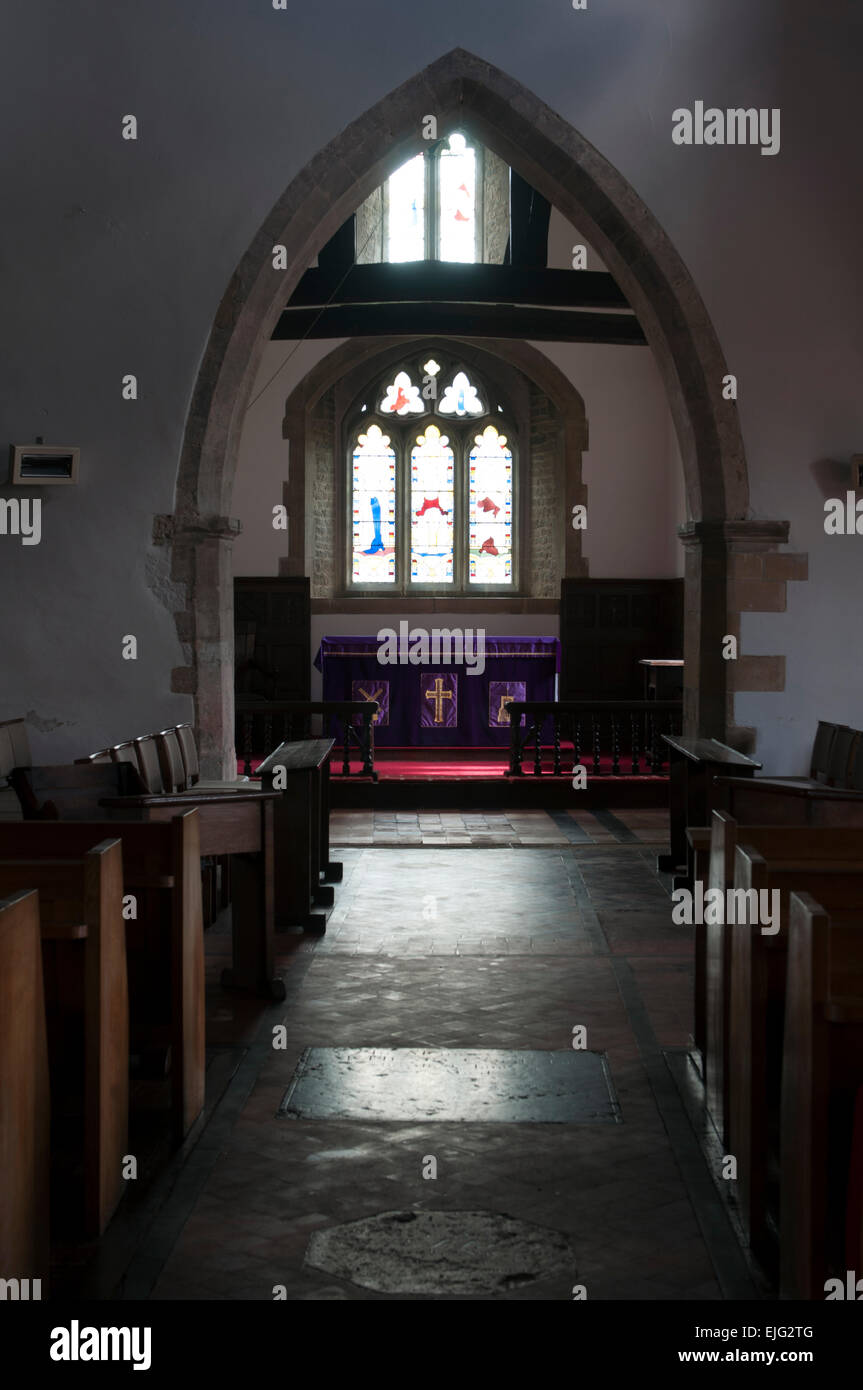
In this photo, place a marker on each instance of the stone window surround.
(512, 368)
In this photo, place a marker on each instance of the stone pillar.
(575, 441)
(704, 624)
(725, 569)
(201, 562)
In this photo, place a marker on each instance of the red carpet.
(451, 764)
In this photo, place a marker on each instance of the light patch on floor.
(495, 829)
(441, 1252)
(492, 1086)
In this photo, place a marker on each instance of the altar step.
(475, 777)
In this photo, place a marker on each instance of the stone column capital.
(191, 528)
(759, 534)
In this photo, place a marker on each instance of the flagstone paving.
(540, 948)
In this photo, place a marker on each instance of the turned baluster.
(556, 718)
(615, 747)
(346, 748)
(537, 747)
(576, 742)
(659, 759)
(368, 760)
(635, 744)
(597, 757)
(651, 744)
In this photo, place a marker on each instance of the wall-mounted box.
(39, 464)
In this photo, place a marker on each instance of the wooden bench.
(14, 752)
(698, 839)
(164, 941)
(24, 1094)
(832, 794)
(693, 766)
(301, 820)
(167, 764)
(239, 825)
(84, 958)
(803, 844)
(822, 1076)
(756, 1021)
(236, 823)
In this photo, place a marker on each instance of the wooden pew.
(761, 801)
(236, 823)
(167, 764)
(822, 1073)
(693, 765)
(14, 752)
(239, 825)
(301, 820)
(832, 794)
(698, 838)
(84, 956)
(756, 1021)
(24, 1094)
(798, 842)
(164, 942)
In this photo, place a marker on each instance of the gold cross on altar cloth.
(366, 696)
(502, 716)
(438, 695)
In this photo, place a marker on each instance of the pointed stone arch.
(592, 194)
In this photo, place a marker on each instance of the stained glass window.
(402, 397)
(457, 199)
(374, 509)
(432, 499)
(460, 398)
(432, 508)
(406, 219)
(490, 509)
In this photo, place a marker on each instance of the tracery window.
(432, 485)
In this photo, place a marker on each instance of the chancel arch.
(519, 129)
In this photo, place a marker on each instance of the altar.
(439, 704)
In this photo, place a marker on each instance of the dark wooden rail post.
(257, 719)
(645, 718)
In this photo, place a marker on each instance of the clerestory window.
(431, 205)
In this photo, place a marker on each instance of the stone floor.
(494, 828)
(495, 948)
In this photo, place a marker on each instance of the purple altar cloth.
(467, 709)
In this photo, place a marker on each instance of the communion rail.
(260, 727)
(610, 732)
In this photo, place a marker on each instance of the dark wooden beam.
(421, 282)
(340, 251)
(529, 215)
(471, 320)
